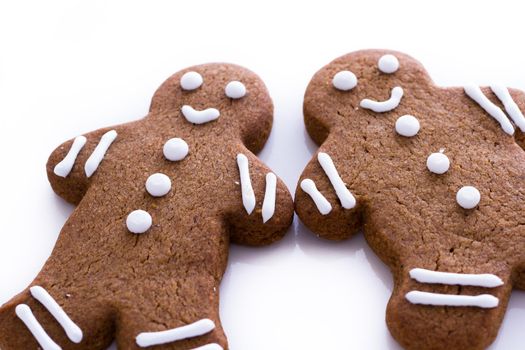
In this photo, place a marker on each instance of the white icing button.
(235, 90)
(138, 221)
(175, 149)
(388, 64)
(191, 81)
(158, 185)
(468, 197)
(407, 126)
(438, 163)
(344, 80)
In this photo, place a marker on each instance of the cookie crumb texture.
(409, 212)
(158, 286)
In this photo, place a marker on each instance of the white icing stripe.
(199, 117)
(425, 298)
(172, 335)
(100, 151)
(463, 279)
(74, 333)
(308, 186)
(475, 93)
(25, 314)
(510, 106)
(344, 195)
(63, 168)
(209, 347)
(384, 106)
(268, 207)
(248, 196)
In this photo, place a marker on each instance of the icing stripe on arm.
(63, 168)
(100, 151)
(510, 106)
(248, 196)
(213, 346)
(384, 106)
(308, 186)
(344, 195)
(463, 279)
(74, 333)
(268, 208)
(172, 335)
(484, 300)
(25, 314)
(475, 93)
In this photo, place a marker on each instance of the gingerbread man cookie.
(158, 202)
(434, 177)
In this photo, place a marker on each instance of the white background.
(68, 67)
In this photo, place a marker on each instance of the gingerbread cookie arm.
(72, 165)
(326, 197)
(264, 210)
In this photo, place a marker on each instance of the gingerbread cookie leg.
(42, 317)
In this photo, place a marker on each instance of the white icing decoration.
(464, 279)
(248, 196)
(308, 186)
(344, 80)
(510, 106)
(388, 64)
(235, 89)
(172, 335)
(175, 149)
(475, 93)
(438, 163)
(468, 197)
(407, 126)
(98, 154)
(384, 106)
(63, 168)
(268, 207)
(25, 314)
(74, 333)
(345, 196)
(191, 81)
(213, 346)
(158, 185)
(139, 221)
(425, 298)
(199, 117)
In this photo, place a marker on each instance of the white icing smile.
(384, 106)
(199, 117)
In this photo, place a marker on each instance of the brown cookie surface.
(449, 226)
(158, 203)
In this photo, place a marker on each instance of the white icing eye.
(438, 163)
(407, 126)
(158, 185)
(175, 149)
(235, 89)
(344, 80)
(139, 221)
(191, 81)
(468, 197)
(388, 64)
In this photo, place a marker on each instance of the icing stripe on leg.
(268, 207)
(248, 196)
(464, 279)
(25, 314)
(209, 347)
(486, 301)
(74, 333)
(163, 337)
(323, 205)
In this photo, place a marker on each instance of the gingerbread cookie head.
(231, 100)
(434, 178)
(159, 200)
